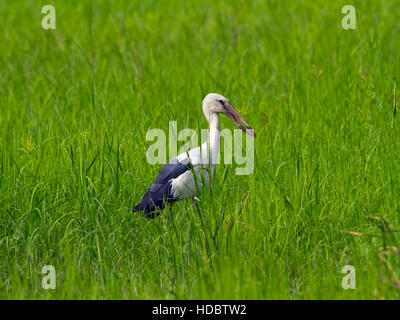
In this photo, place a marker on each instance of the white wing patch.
(188, 184)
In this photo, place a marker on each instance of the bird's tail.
(147, 212)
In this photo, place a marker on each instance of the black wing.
(159, 192)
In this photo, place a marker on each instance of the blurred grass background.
(75, 106)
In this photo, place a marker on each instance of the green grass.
(75, 106)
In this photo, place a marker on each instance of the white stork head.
(215, 103)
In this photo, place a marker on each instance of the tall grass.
(75, 106)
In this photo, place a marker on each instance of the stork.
(183, 176)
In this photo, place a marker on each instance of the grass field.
(75, 106)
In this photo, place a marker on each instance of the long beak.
(237, 119)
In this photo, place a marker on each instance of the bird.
(184, 176)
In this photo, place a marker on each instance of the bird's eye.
(221, 102)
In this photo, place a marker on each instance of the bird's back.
(159, 192)
(180, 178)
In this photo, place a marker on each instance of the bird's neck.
(214, 137)
(213, 120)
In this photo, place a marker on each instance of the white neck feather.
(214, 138)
